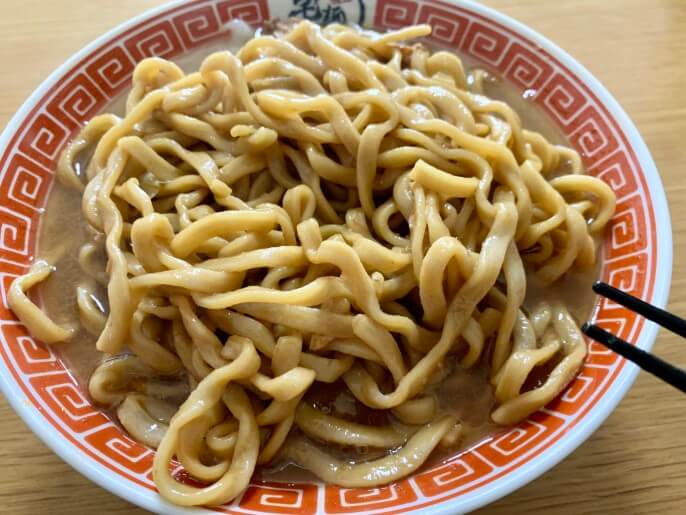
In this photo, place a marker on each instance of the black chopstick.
(648, 362)
(659, 316)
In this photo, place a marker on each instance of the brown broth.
(466, 394)
(63, 231)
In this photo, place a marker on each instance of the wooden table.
(635, 463)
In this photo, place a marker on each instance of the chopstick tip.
(586, 326)
(599, 287)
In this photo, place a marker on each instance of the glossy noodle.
(332, 206)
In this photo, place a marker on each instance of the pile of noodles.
(329, 205)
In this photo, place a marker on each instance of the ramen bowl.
(636, 253)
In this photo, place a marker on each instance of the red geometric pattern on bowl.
(26, 174)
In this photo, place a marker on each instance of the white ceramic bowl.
(637, 255)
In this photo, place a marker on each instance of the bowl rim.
(513, 480)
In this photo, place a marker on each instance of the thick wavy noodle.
(326, 209)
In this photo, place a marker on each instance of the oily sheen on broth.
(328, 249)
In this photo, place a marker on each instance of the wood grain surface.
(635, 463)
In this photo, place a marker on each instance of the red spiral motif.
(393, 14)
(252, 12)
(452, 475)
(561, 99)
(300, 498)
(158, 40)
(197, 25)
(448, 27)
(31, 357)
(62, 395)
(590, 135)
(485, 43)
(578, 391)
(24, 186)
(526, 69)
(627, 229)
(76, 102)
(112, 70)
(519, 440)
(17, 235)
(8, 273)
(627, 275)
(616, 171)
(114, 444)
(361, 500)
(43, 140)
